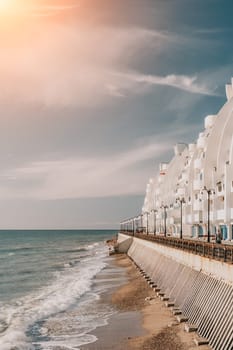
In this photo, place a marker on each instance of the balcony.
(161, 179)
(197, 205)
(220, 214)
(209, 121)
(198, 163)
(198, 217)
(197, 185)
(174, 220)
(184, 176)
(201, 143)
(180, 192)
(171, 220)
(189, 219)
(220, 193)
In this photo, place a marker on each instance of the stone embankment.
(199, 291)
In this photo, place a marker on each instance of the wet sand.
(142, 321)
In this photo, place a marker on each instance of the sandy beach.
(142, 321)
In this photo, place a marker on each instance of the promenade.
(221, 252)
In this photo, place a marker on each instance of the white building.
(197, 182)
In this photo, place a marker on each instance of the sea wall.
(200, 287)
(123, 243)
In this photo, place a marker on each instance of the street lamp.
(133, 228)
(155, 212)
(164, 207)
(209, 192)
(138, 224)
(141, 222)
(181, 201)
(147, 226)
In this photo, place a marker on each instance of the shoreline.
(141, 321)
(122, 324)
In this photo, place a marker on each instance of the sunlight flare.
(7, 5)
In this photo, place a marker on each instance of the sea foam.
(65, 289)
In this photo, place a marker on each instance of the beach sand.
(142, 321)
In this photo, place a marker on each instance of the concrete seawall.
(200, 287)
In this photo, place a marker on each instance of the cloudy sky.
(94, 94)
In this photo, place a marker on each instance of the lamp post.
(209, 192)
(164, 207)
(155, 212)
(181, 201)
(137, 224)
(142, 222)
(147, 226)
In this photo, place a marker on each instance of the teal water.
(47, 283)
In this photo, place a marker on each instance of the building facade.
(192, 195)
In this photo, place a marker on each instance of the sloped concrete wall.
(123, 243)
(205, 298)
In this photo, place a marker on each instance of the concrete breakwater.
(200, 288)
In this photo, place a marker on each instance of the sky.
(94, 94)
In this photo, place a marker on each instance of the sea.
(50, 289)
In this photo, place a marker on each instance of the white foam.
(73, 328)
(73, 343)
(91, 246)
(65, 289)
(68, 265)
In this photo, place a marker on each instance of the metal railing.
(221, 252)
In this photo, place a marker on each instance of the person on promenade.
(219, 236)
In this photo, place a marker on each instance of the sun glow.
(8, 7)
(15, 7)
(5, 4)
(12, 11)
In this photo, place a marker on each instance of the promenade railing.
(221, 252)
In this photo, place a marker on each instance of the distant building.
(200, 179)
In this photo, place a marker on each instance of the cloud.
(181, 82)
(76, 63)
(120, 174)
(51, 9)
(70, 63)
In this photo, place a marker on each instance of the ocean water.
(48, 294)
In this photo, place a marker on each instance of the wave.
(71, 329)
(91, 246)
(78, 250)
(5, 250)
(66, 288)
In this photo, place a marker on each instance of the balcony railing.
(201, 142)
(198, 163)
(197, 185)
(220, 252)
